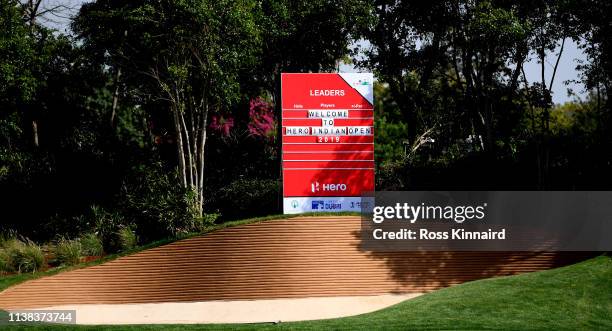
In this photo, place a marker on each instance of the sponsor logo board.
(328, 140)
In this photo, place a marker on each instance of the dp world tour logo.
(318, 204)
(294, 204)
(316, 187)
(326, 205)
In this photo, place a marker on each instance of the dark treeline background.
(162, 116)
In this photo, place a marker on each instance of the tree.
(32, 11)
(17, 77)
(591, 19)
(183, 55)
(30, 55)
(405, 49)
(548, 30)
(303, 36)
(455, 69)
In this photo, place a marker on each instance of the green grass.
(10, 280)
(577, 297)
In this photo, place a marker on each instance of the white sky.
(566, 70)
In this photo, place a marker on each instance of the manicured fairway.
(576, 297)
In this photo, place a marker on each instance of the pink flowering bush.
(262, 123)
(222, 124)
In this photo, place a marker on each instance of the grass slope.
(577, 297)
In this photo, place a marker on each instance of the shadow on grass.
(426, 270)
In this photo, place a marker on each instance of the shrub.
(127, 239)
(68, 252)
(33, 258)
(23, 256)
(5, 262)
(91, 245)
(245, 198)
(208, 219)
(106, 224)
(157, 204)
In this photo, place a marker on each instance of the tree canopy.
(160, 116)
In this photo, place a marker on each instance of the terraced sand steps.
(297, 257)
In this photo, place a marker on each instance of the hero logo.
(316, 187)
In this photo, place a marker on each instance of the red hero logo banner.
(328, 142)
(327, 183)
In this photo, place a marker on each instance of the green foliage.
(244, 198)
(16, 54)
(303, 36)
(390, 130)
(68, 252)
(491, 22)
(30, 57)
(104, 103)
(208, 219)
(451, 88)
(31, 258)
(107, 224)
(127, 239)
(5, 262)
(21, 256)
(27, 57)
(91, 245)
(169, 43)
(183, 57)
(157, 206)
(574, 118)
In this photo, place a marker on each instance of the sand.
(235, 311)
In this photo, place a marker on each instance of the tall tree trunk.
(519, 60)
(189, 161)
(35, 132)
(543, 158)
(32, 13)
(201, 155)
(115, 98)
(179, 146)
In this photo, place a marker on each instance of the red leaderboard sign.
(328, 141)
